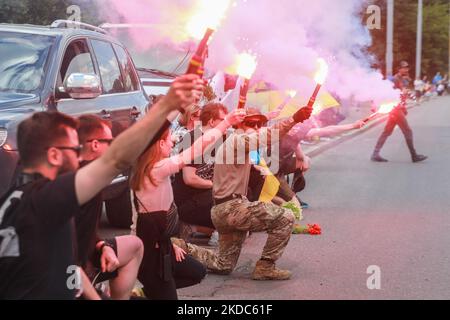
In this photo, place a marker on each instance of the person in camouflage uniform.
(233, 220)
(234, 215)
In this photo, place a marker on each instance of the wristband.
(105, 244)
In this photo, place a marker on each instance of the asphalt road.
(395, 216)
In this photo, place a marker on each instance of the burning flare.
(320, 78)
(387, 107)
(246, 65)
(322, 73)
(318, 108)
(291, 93)
(208, 16)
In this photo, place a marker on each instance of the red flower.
(314, 229)
(311, 229)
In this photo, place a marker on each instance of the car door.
(77, 58)
(121, 89)
(122, 99)
(126, 102)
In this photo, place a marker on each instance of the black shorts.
(94, 269)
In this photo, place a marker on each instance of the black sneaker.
(419, 158)
(378, 158)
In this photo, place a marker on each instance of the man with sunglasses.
(256, 120)
(117, 259)
(234, 215)
(37, 248)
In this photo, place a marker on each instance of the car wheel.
(119, 210)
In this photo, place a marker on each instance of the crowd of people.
(424, 88)
(194, 168)
(51, 248)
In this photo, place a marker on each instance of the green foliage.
(295, 209)
(435, 37)
(435, 54)
(44, 12)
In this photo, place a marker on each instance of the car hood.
(15, 106)
(10, 100)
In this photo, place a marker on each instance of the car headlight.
(3, 136)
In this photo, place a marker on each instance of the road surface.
(393, 216)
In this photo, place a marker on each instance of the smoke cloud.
(287, 36)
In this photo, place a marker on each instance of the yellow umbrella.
(260, 86)
(266, 101)
(324, 101)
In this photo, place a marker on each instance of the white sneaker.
(214, 240)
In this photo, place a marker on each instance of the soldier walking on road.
(397, 117)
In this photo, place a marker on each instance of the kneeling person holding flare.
(234, 215)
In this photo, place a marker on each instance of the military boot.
(377, 158)
(266, 270)
(419, 158)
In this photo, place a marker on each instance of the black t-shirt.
(86, 224)
(45, 228)
(204, 169)
(86, 228)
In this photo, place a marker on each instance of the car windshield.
(22, 60)
(156, 55)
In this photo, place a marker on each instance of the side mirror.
(83, 86)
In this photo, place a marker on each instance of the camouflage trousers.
(233, 220)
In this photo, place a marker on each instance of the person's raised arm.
(299, 154)
(211, 137)
(128, 146)
(334, 130)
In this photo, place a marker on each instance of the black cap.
(257, 117)
(254, 114)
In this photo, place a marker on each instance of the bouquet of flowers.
(311, 229)
(295, 209)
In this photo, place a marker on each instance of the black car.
(75, 69)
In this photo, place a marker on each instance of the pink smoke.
(287, 36)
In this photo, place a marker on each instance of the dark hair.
(212, 112)
(39, 132)
(91, 126)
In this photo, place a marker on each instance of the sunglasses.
(107, 141)
(76, 149)
(254, 124)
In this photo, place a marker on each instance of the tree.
(44, 12)
(435, 35)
